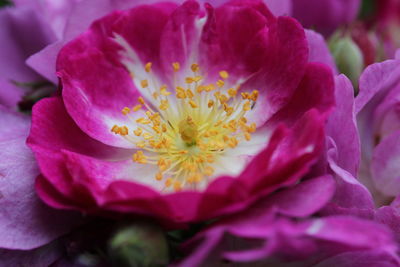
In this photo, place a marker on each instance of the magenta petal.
(372, 258)
(385, 166)
(279, 7)
(316, 90)
(89, 81)
(96, 86)
(326, 16)
(304, 198)
(55, 12)
(377, 78)
(25, 223)
(44, 62)
(285, 38)
(319, 51)
(180, 36)
(22, 33)
(47, 137)
(342, 127)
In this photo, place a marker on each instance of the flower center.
(185, 133)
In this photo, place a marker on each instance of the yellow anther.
(210, 158)
(247, 106)
(168, 182)
(126, 110)
(195, 67)
(220, 83)
(143, 121)
(210, 103)
(138, 131)
(208, 171)
(223, 98)
(144, 83)
(156, 129)
(163, 91)
(147, 136)
(229, 111)
(137, 107)
(124, 130)
(197, 78)
(163, 165)
(164, 127)
(233, 142)
(189, 80)
(141, 100)
(200, 88)
(218, 123)
(164, 104)
(192, 104)
(252, 128)
(247, 136)
(115, 129)
(120, 130)
(245, 95)
(159, 176)
(147, 67)
(155, 95)
(188, 130)
(224, 74)
(189, 93)
(180, 92)
(177, 186)
(176, 66)
(243, 120)
(210, 87)
(183, 152)
(232, 92)
(141, 144)
(139, 157)
(254, 95)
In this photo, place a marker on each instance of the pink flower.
(378, 118)
(266, 237)
(181, 112)
(325, 16)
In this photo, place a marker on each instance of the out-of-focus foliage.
(4, 3)
(368, 8)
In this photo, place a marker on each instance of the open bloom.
(181, 112)
(378, 117)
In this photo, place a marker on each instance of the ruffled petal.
(385, 166)
(316, 90)
(26, 223)
(319, 51)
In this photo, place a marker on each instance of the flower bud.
(348, 56)
(138, 244)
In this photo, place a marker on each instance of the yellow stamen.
(195, 67)
(176, 66)
(147, 67)
(144, 83)
(224, 74)
(184, 139)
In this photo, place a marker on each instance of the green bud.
(348, 56)
(140, 244)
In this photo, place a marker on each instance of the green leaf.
(4, 3)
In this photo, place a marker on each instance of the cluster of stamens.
(185, 139)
